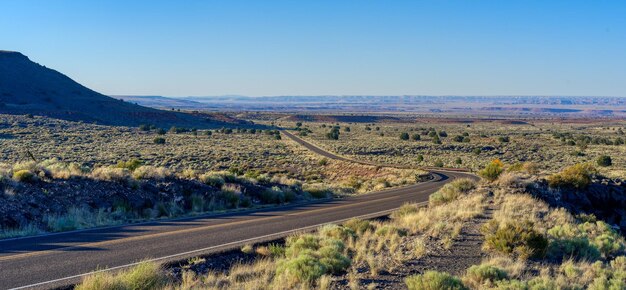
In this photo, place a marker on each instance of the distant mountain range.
(550, 106)
(29, 88)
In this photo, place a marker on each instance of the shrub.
(111, 174)
(433, 280)
(604, 161)
(316, 190)
(247, 249)
(359, 226)
(323, 162)
(130, 164)
(569, 241)
(451, 191)
(416, 137)
(24, 175)
(438, 163)
(308, 257)
(404, 136)
(520, 239)
(586, 241)
(151, 172)
(492, 171)
(211, 179)
(146, 275)
(304, 268)
(483, 275)
(159, 140)
(336, 232)
(576, 176)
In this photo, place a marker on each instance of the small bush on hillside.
(483, 276)
(576, 176)
(316, 190)
(416, 137)
(159, 140)
(492, 171)
(212, 179)
(24, 175)
(604, 161)
(433, 280)
(130, 164)
(451, 191)
(151, 172)
(404, 136)
(111, 174)
(519, 239)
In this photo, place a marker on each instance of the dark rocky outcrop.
(605, 198)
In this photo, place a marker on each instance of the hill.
(27, 87)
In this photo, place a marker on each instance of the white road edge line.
(279, 234)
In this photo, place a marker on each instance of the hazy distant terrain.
(517, 106)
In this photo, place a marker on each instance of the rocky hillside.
(30, 88)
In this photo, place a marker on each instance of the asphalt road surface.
(55, 260)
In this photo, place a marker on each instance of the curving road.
(55, 260)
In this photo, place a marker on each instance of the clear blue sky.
(180, 48)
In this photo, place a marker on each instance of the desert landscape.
(420, 145)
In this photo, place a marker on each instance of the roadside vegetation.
(524, 244)
(83, 180)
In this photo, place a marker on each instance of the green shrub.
(316, 191)
(492, 171)
(519, 239)
(272, 195)
(604, 161)
(304, 268)
(404, 136)
(451, 191)
(416, 137)
(404, 210)
(359, 226)
(214, 180)
(570, 242)
(24, 175)
(159, 140)
(130, 164)
(331, 256)
(483, 275)
(576, 176)
(276, 250)
(308, 257)
(433, 280)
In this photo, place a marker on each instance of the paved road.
(61, 259)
